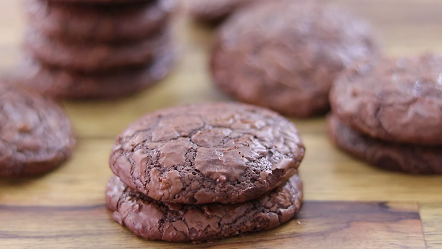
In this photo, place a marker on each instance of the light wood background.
(348, 203)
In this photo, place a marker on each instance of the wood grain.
(320, 225)
(65, 208)
(431, 214)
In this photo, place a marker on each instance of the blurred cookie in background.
(36, 135)
(97, 49)
(61, 83)
(286, 55)
(95, 22)
(213, 12)
(390, 113)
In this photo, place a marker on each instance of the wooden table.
(348, 204)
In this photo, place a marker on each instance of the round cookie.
(103, 23)
(211, 12)
(285, 55)
(154, 220)
(218, 152)
(394, 100)
(414, 159)
(60, 83)
(93, 57)
(36, 135)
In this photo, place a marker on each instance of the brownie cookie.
(415, 159)
(394, 100)
(93, 57)
(60, 83)
(154, 220)
(36, 135)
(196, 154)
(212, 12)
(90, 22)
(104, 2)
(285, 55)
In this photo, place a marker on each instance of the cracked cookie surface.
(414, 159)
(288, 61)
(218, 152)
(103, 23)
(35, 134)
(397, 100)
(154, 220)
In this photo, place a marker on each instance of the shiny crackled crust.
(414, 159)
(397, 100)
(154, 220)
(35, 134)
(103, 23)
(216, 152)
(62, 83)
(93, 57)
(285, 55)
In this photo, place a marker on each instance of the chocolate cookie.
(285, 55)
(198, 154)
(104, 2)
(212, 12)
(394, 100)
(104, 23)
(36, 135)
(415, 159)
(60, 83)
(154, 220)
(93, 57)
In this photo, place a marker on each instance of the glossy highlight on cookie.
(218, 152)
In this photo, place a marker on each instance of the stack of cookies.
(96, 48)
(202, 172)
(390, 114)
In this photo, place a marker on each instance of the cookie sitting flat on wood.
(36, 135)
(285, 55)
(154, 220)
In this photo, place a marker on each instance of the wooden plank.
(431, 215)
(320, 225)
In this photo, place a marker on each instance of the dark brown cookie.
(154, 220)
(93, 57)
(36, 135)
(289, 60)
(104, 23)
(394, 100)
(212, 12)
(219, 152)
(60, 83)
(104, 2)
(414, 159)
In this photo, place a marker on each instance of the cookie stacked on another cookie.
(88, 49)
(201, 172)
(390, 114)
